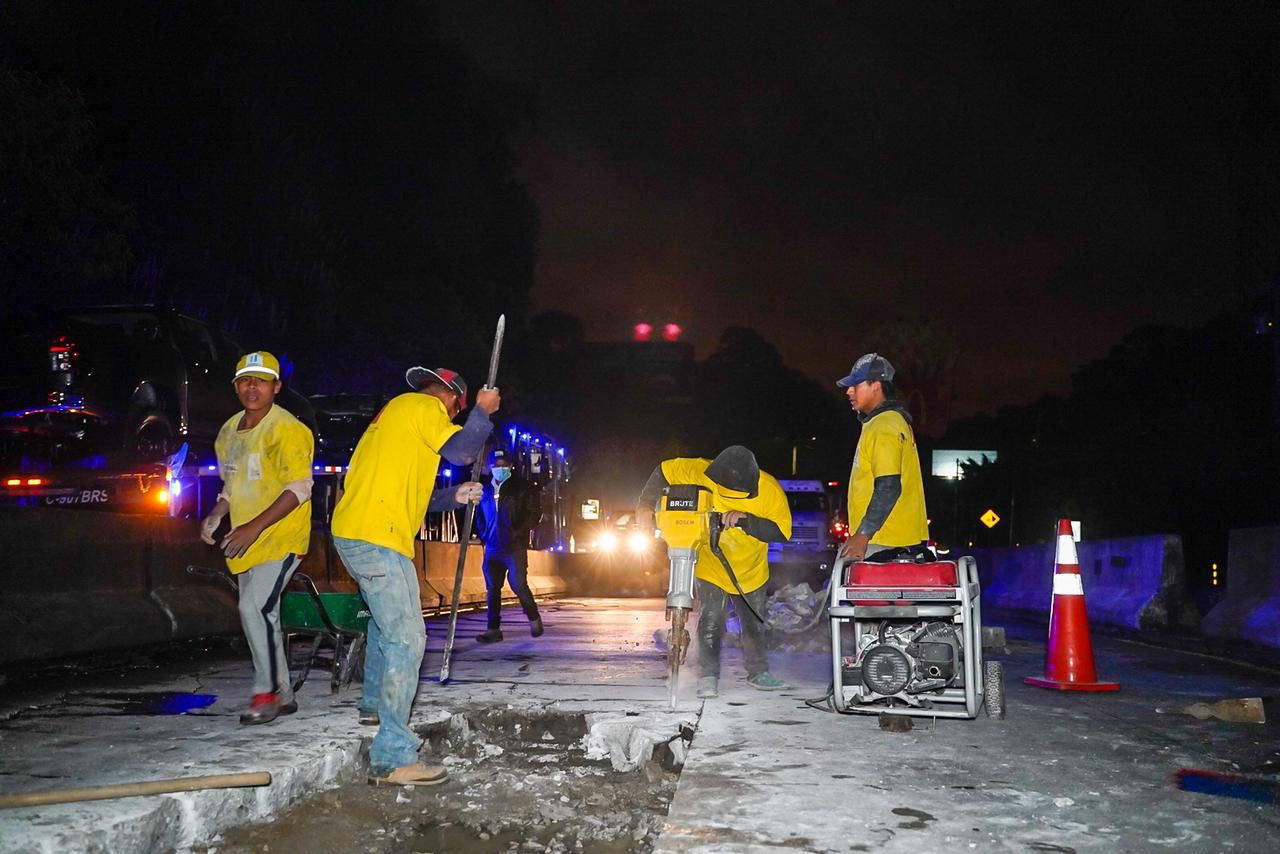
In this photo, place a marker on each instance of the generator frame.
(907, 592)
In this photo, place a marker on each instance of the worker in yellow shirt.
(886, 491)
(264, 459)
(389, 489)
(754, 512)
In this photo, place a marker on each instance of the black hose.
(715, 550)
(826, 703)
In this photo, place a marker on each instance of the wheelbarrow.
(341, 619)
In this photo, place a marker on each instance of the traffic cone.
(1068, 664)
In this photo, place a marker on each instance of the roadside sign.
(990, 519)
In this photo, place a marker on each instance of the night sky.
(1040, 179)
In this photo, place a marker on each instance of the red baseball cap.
(419, 376)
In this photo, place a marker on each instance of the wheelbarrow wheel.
(993, 688)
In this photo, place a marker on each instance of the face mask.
(500, 474)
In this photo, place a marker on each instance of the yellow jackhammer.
(684, 519)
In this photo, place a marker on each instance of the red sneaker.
(263, 708)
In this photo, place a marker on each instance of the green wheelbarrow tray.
(346, 612)
(342, 619)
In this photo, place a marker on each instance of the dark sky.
(1039, 178)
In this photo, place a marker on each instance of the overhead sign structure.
(990, 519)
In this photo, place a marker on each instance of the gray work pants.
(260, 590)
(712, 604)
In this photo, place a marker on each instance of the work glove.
(209, 525)
(468, 493)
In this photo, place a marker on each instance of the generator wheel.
(993, 688)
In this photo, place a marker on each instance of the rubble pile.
(519, 780)
(795, 618)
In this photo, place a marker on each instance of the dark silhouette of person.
(509, 510)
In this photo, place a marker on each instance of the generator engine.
(906, 659)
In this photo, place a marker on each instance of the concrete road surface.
(1063, 772)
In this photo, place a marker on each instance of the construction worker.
(508, 511)
(754, 512)
(264, 460)
(886, 491)
(389, 488)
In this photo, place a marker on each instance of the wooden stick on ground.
(130, 790)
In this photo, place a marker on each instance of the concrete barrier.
(545, 577)
(609, 575)
(1251, 609)
(436, 564)
(77, 581)
(1132, 582)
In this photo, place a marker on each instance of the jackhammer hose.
(715, 529)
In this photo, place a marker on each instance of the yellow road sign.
(990, 519)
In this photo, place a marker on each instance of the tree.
(60, 230)
(330, 179)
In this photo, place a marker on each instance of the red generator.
(906, 638)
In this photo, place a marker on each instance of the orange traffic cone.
(1068, 664)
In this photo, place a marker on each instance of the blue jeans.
(396, 640)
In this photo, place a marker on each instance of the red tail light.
(839, 531)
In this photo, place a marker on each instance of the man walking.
(886, 491)
(508, 511)
(754, 512)
(264, 458)
(389, 489)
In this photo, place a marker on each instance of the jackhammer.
(685, 521)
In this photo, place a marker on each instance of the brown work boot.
(416, 774)
(535, 627)
(491, 636)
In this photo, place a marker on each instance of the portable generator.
(906, 638)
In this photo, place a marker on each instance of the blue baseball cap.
(868, 368)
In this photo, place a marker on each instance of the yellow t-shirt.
(255, 464)
(393, 473)
(887, 446)
(748, 556)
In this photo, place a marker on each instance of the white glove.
(468, 493)
(209, 525)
